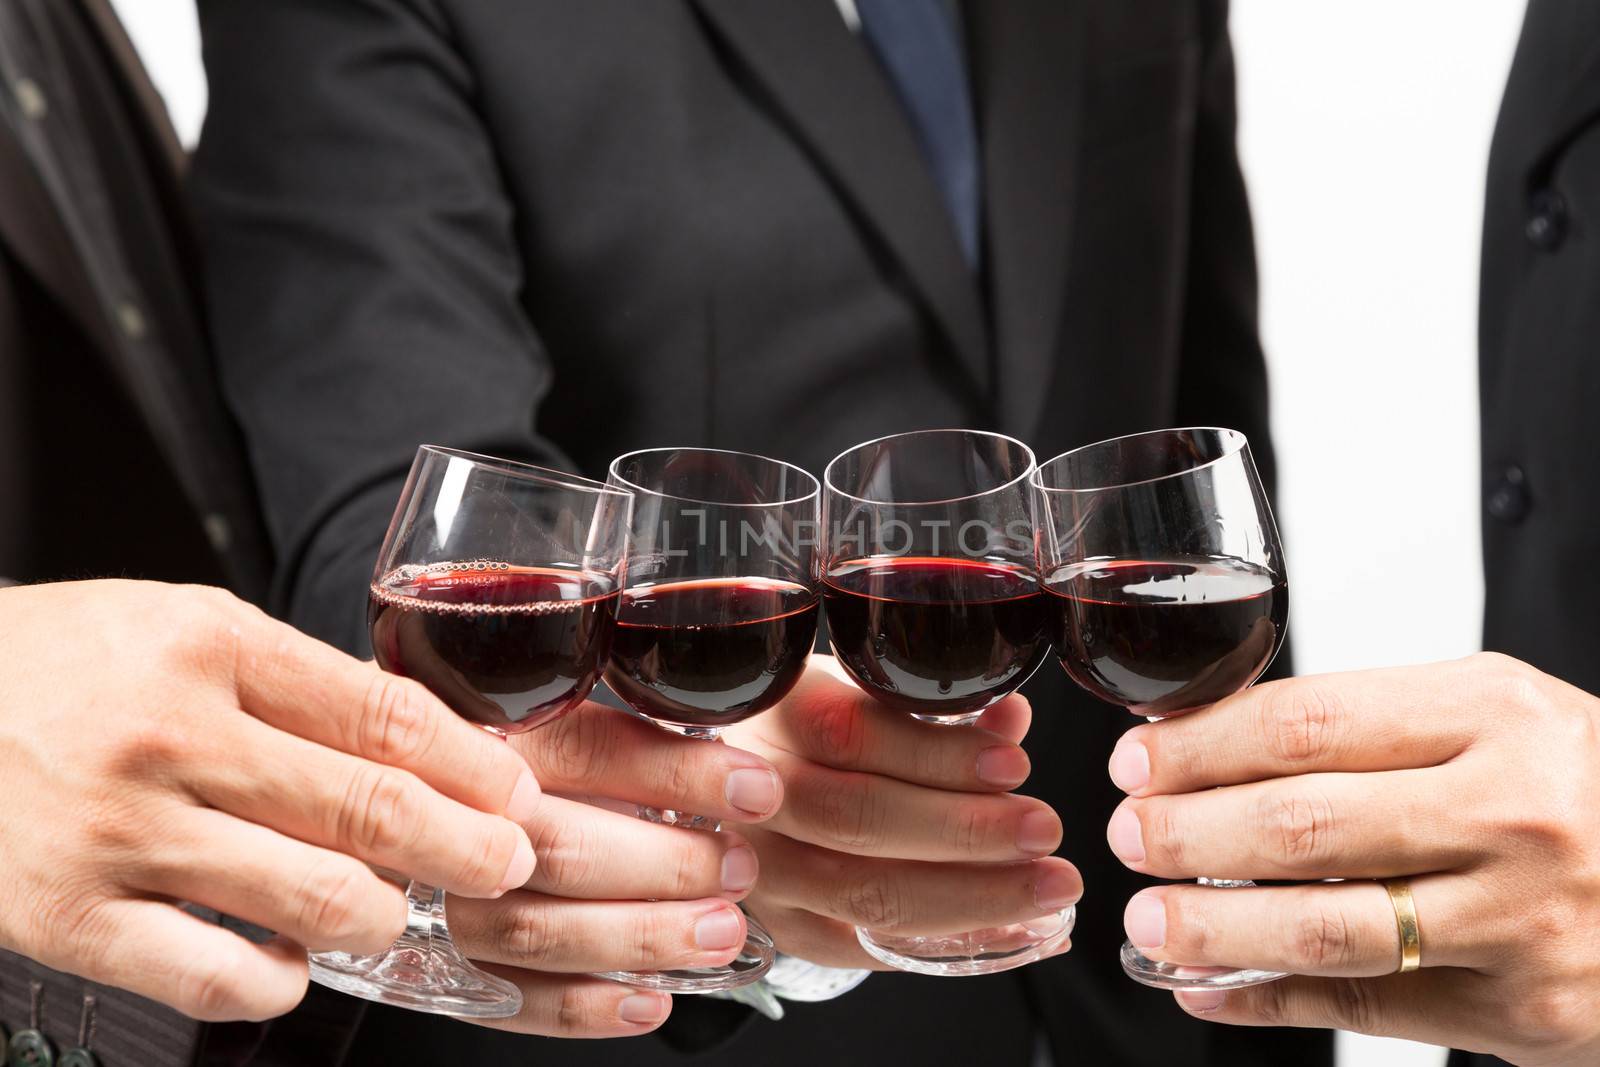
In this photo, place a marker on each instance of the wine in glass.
(497, 588)
(1168, 592)
(934, 609)
(716, 622)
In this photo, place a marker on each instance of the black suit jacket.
(561, 230)
(1539, 353)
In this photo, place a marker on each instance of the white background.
(1365, 129)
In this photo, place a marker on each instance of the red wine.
(711, 652)
(938, 637)
(506, 647)
(1167, 636)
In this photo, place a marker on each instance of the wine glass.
(497, 588)
(1168, 592)
(934, 609)
(716, 622)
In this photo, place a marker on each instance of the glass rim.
(1237, 442)
(528, 471)
(639, 490)
(1033, 466)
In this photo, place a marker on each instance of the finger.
(312, 690)
(1338, 930)
(1440, 1007)
(316, 897)
(595, 749)
(1314, 826)
(1010, 718)
(192, 966)
(908, 897)
(867, 814)
(585, 852)
(545, 933)
(378, 814)
(561, 1006)
(830, 721)
(1369, 721)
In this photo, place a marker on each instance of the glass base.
(423, 971)
(998, 948)
(751, 965)
(1182, 979)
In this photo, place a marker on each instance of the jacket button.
(1507, 498)
(30, 98)
(218, 532)
(1547, 220)
(29, 1048)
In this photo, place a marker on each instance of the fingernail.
(1145, 920)
(524, 798)
(521, 868)
(752, 791)
(1003, 765)
(1057, 889)
(643, 1008)
(1130, 766)
(1038, 831)
(1125, 837)
(1199, 1003)
(739, 869)
(717, 930)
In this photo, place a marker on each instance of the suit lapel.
(841, 106)
(1028, 61)
(31, 228)
(151, 109)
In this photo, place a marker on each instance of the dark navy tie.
(916, 42)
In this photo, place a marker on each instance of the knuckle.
(834, 728)
(1163, 834)
(965, 829)
(1356, 1006)
(1188, 927)
(849, 810)
(1296, 828)
(1322, 941)
(380, 813)
(333, 900)
(563, 857)
(1269, 1003)
(208, 991)
(396, 725)
(63, 918)
(678, 775)
(650, 941)
(876, 901)
(1300, 721)
(1552, 1017)
(487, 861)
(687, 875)
(574, 1014)
(528, 934)
(581, 747)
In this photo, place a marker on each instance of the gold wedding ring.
(1405, 920)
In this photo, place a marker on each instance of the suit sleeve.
(362, 276)
(1223, 376)
(364, 285)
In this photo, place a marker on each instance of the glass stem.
(426, 931)
(685, 819)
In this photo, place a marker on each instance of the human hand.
(1473, 779)
(164, 743)
(895, 824)
(612, 892)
